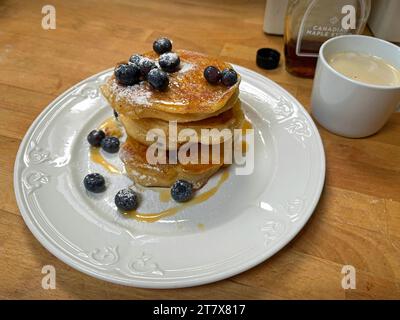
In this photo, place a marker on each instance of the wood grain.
(357, 221)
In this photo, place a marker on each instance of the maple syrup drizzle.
(164, 194)
(245, 147)
(246, 126)
(98, 158)
(111, 128)
(153, 217)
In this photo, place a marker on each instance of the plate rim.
(153, 283)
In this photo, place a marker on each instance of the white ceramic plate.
(248, 220)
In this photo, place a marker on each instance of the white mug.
(348, 107)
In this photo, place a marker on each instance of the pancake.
(133, 155)
(190, 101)
(189, 96)
(138, 128)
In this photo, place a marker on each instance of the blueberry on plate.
(135, 59)
(212, 74)
(110, 144)
(229, 77)
(162, 45)
(127, 74)
(182, 191)
(95, 137)
(169, 61)
(94, 182)
(115, 114)
(126, 199)
(158, 79)
(146, 65)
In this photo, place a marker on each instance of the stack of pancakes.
(190, 101)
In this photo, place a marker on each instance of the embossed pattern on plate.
(247, 221)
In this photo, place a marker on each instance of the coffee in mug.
(365, 68)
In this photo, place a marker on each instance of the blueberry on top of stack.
(141, 68)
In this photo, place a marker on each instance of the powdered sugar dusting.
(140, 94)
(185, 67)
(169, 56)
(137, 94)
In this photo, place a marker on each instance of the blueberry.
(212, 74)
(115, 114)
(94, 182)
(182, 191)
(229, 77)
(135, 59)
(158, 79)
(95, 137)
(110, 144)
(169, 61)
(127, 74)
(162, 45)
(126, 199)
(146, 65)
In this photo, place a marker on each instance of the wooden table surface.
(357, 221)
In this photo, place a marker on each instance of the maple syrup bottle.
(309, 23)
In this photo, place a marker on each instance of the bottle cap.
(268, 58)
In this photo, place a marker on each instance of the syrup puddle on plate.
(97, 157)
(164, 194)
(153, 217)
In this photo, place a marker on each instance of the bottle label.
(322, 21)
